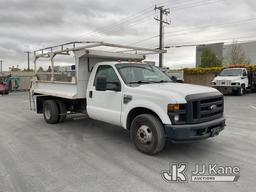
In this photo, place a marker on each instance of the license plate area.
(215, 131)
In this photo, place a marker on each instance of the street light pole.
(1, 66)
(28, 55)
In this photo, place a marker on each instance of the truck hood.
(177, 91)
(230, 78)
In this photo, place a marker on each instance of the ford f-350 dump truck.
(118, 88)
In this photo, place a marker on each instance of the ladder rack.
(78, 45)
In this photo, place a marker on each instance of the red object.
(4, 88)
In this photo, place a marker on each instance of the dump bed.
(86, 56)
(252, 77)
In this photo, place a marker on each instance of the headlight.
(176, 118)
(213, 83)
(177, 113)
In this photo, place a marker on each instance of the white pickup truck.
(118, 88)
(236, 80)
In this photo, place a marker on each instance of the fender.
(145, 104)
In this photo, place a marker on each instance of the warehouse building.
(221, 50)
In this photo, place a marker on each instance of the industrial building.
(221, 50)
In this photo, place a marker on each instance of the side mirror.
(101, 83)
(174, 79)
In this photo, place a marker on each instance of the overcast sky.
(30, 24)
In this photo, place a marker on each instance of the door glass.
(108, 72)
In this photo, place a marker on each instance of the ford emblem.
(213, 107)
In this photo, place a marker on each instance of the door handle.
(90, 94)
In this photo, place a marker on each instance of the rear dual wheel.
(54, 111)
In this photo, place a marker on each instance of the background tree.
(236, 55)
(14, 69)
(49, 69)
(209, 59)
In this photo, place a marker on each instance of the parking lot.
(85, 155)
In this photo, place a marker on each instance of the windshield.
(231, 72)
(141, 74)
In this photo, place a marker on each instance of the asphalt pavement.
(86, 155)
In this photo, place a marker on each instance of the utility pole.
(162, 11)
(1, 66)
(28, 55)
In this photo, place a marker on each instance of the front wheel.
(147, 134)
(241, 91)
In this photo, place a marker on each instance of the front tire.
(241, 91)
(147, 134)
(51, 112)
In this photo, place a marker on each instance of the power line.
(189, 4)
(143, 40)
(229, 40)
(138, 21)
(124, 20)
(133, 23)
(197, 4)
(182, 3)
(198, 28)
(135, 18)
(152, 37)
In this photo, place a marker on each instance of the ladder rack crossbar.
(78, 45)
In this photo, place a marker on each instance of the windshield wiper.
(139, 82)
(147, 82)
(163, 81)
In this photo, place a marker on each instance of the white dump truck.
(235, 80)
(116, 87)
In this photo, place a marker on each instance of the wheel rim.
(144, 135)
(47, 113)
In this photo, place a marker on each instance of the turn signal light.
(173, 107)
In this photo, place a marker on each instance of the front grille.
(202, 108)
(223, 83)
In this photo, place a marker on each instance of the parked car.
(4, 89)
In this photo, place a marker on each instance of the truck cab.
(117, 89)
(232, 79)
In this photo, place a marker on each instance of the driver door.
(245, 78)
(105, 105)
